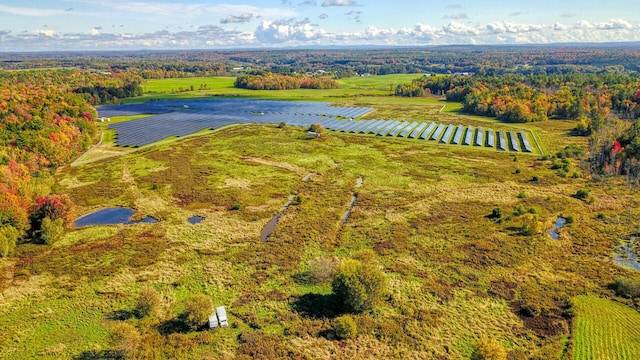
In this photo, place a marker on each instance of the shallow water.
(110, 216)
(625, 256)
(195, 219)
(271, 225)
(554, 232)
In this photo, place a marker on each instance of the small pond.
(626, 256)
(271, 225)
(560, 222)
(110, 216)
(195, 219)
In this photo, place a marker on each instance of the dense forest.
(47, 119)
(343, 62)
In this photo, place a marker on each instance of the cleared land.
(605, 329)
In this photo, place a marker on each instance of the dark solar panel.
(447, 134)
(514, 144)
(525, 142)
(490, 138)
(468, 138)
(457, 136)
(436, 134)
(501, 141)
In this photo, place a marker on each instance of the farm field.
(605, 329)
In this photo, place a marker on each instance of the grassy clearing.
(421, 215)
(605, 329)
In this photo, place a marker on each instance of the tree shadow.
(173, 326)
(99, 355)
(121, 315)
(317, 306)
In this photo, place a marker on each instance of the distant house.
(103, 119)
(313, 133)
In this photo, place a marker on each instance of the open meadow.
(460, 233)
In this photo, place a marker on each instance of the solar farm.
(171, 118)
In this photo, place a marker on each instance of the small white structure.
(313, 133)
(213, 321)
(103, 119)
(222, 316)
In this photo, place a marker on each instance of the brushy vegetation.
(454, 275)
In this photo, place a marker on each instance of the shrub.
(345, 327)
(196, 311)
(317, 128)
(489, 349)
(627, 287)
(148, 302)
(518, 171)
(282, 125)
(522, 195)
(582, 194)
(51, 230)
(570, 219)
(322, 269)
(126, 339)
(236, 206)
(358, 286)
(530, 225)
(535, 178)
(8, 239)
(496, 213)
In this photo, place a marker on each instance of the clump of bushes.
(627, 287)
(345, 327)
(358, 286)
(582, 194)
(196, 311)
(489, 349)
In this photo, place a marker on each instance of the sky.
(46, 25)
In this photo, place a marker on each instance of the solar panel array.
(179, 118)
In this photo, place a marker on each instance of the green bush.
(345, 327)
(489, 349)
(196, 311)
(627, 287)
(148, 302)
(236, 207)
(582, 194)
(357, 286)
(496, 213)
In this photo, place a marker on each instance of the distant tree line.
(272, 81)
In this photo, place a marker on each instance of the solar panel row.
(180, 118)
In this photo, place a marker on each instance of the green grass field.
(605, 329)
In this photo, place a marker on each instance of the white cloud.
(295, 32)
(614, 24)
(327, 3)
(184, 10)
(24, 11)
(231, 19)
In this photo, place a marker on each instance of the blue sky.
(30, 25)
